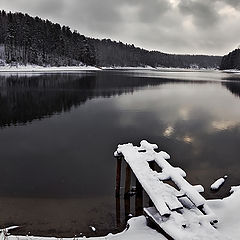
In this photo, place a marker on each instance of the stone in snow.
(93, 228)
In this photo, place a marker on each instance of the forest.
(231, 61)
(112, 53)
(27, 40)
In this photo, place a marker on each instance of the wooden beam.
(138, 199)
(118, 177)
(127, 181)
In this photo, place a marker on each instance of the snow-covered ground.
(227, 210)
(128, 68)
(232, 71)
(35, 68)
(137, 230)
(163, 69)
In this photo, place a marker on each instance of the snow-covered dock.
(181, 212)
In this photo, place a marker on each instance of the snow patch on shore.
(237, 71)
(36, 68)
(137, 230)
(228, 212)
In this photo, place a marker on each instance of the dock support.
(118, 176)
(118, 212)
(138, 199)
(127, 181)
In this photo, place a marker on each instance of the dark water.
(59, 131)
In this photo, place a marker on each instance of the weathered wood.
(118, 176)
(138, 199)
(127, 208)
(118, 212)
(127, 181)
(190, 214)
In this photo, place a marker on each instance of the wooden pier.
(177, 210)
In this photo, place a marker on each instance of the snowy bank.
(36, 68)
(237, 71)
(161, 69)
(227, 210)
(128, 68)
(137, 230)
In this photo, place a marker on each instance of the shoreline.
(65, 69)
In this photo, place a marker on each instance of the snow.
(93, 228)
(137, 230)
(237, 71)
(228, 212)
(163, 195)
(218, 183)
(36, 68)
(185, 223)
(128, 68)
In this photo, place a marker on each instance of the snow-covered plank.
(162, 195)
(185, 225)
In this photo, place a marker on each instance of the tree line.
(110, 53)
(231, 61)
(24, 40)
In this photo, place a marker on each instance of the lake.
(59, 131)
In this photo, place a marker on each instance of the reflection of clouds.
(224, 125)
(168, 131)
(187, 139)
(184, 113)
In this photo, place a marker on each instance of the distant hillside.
(231, 61)
(24, 39)
(110, 53)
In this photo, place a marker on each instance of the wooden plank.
(182, 226)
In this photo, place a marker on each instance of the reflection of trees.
(25, 98)
(233, 87)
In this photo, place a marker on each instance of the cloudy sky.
(173, 26)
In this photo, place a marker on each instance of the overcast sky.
(173, 26)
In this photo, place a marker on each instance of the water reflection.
(24, 98)
(58, 174)
(233, 87)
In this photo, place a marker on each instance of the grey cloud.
(233, 3)
(203, 12)
(193, 26)
(152, 10)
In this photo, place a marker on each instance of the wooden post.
(127, 207)
(127, 181)
(118, 176)
(118, 212)
(138, 199)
